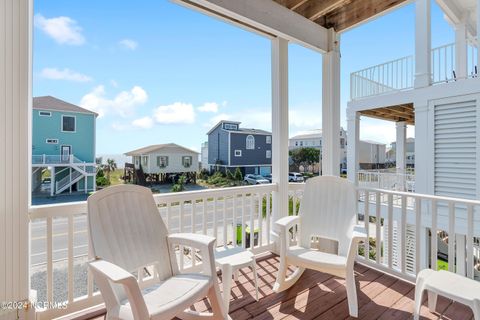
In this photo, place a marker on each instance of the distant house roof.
(53, 104)
(156, 147)
(240, 130)
(317, 133)
(373, 142)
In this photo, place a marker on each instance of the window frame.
(250, 142)
(74, 123)
(268, 154)
(45, 113)
(239, 154)
(159, 158)
(142, 160)
(190, 159)
(54, 141)
(268, 140)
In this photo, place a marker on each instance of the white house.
(409, 152)
(165, 158)
(372, 153)
(204, 155)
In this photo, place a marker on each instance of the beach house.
(230, 146)
(63, 143)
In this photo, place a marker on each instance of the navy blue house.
(230, 146)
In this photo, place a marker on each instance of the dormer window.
(230, 126)
(250, 143)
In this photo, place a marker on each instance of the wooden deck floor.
(320, 296)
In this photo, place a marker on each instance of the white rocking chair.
(327, 237)
(128, 233)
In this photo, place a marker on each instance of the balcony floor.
(320, 296)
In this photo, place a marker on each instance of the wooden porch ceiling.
(339, 14)
(404, 112)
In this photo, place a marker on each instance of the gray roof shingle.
(53, 104)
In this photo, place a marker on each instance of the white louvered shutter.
(455, 138)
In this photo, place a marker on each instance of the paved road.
(80, 242)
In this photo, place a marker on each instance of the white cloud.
(122, 104)
(176, 113)
(209, 107)
(64, 74)
(304, 119)
(143, 123)
(128, 44)
(64, 30)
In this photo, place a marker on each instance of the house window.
(238, 153)
(250, 142)
(230, 126)
(68, 124)
(269, 139)
(52, 141)
(137, 161)
(162, 161)
(301, 143)
(144, 160)
(296, 143)
(187, 161)
(44, 113)
(269, 154)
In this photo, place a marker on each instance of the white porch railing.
(60, 241)
(48, 159)
(386, 180)
(398, 222)
(400, 74)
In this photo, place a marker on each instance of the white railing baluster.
(49, 259)
(470, 241)
(451, 237)
(418, 225)
(268, 217)
(215, 220)
(225, 208)
(234, 220)
(204, 216)
(378, 228)
(193, 221)
(366, 218)
(403, 235)
(70, 259)
(180, 226)
(243, 221)
(390, 230)
(260, 218)
(252, 226)
(433, 238)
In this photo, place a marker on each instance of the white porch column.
(280, 128)
(461, 57)
(401, 142)
(423, 46)
(15, 152)
(52, 181)
(331, 107)
(353, 141)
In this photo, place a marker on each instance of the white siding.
(455, 151)
(14, 150)
(174, 161)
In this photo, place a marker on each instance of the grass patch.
(442, 265)
(116, 177)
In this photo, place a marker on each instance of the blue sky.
(158, 72)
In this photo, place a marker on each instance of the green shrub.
(203, 174)
(102, 181)
(100, 173)
(230, 175)
(238, 176)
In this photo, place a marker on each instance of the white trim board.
(265, 17)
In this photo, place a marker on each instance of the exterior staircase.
(67, 181)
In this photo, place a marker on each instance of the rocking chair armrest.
(198, 241)
(111, 271)
(108, 271)
(359, 233)
(286, 223)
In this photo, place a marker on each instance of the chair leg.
(476, 310)
(218, 309)
(283, 283)
(419, 288)
(227, 285)
(352, 293)
(432, 301)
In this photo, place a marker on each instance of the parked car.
(295, 177)
(255, 179)
(268, 177)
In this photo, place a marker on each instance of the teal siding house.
(63, 141)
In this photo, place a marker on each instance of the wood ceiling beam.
(355, 12)
(317, 8)
(294, 4)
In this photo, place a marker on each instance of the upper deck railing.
(399, 74)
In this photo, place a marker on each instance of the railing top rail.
(421, 196)
(381, 64)
(444, 46)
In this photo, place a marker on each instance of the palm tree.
(109, 167)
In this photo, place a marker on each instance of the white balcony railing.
(396, 221)
(386, 180)
(48, 159)
(399, 74)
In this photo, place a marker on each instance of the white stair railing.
(64, 183)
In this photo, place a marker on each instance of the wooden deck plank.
(320, 296)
